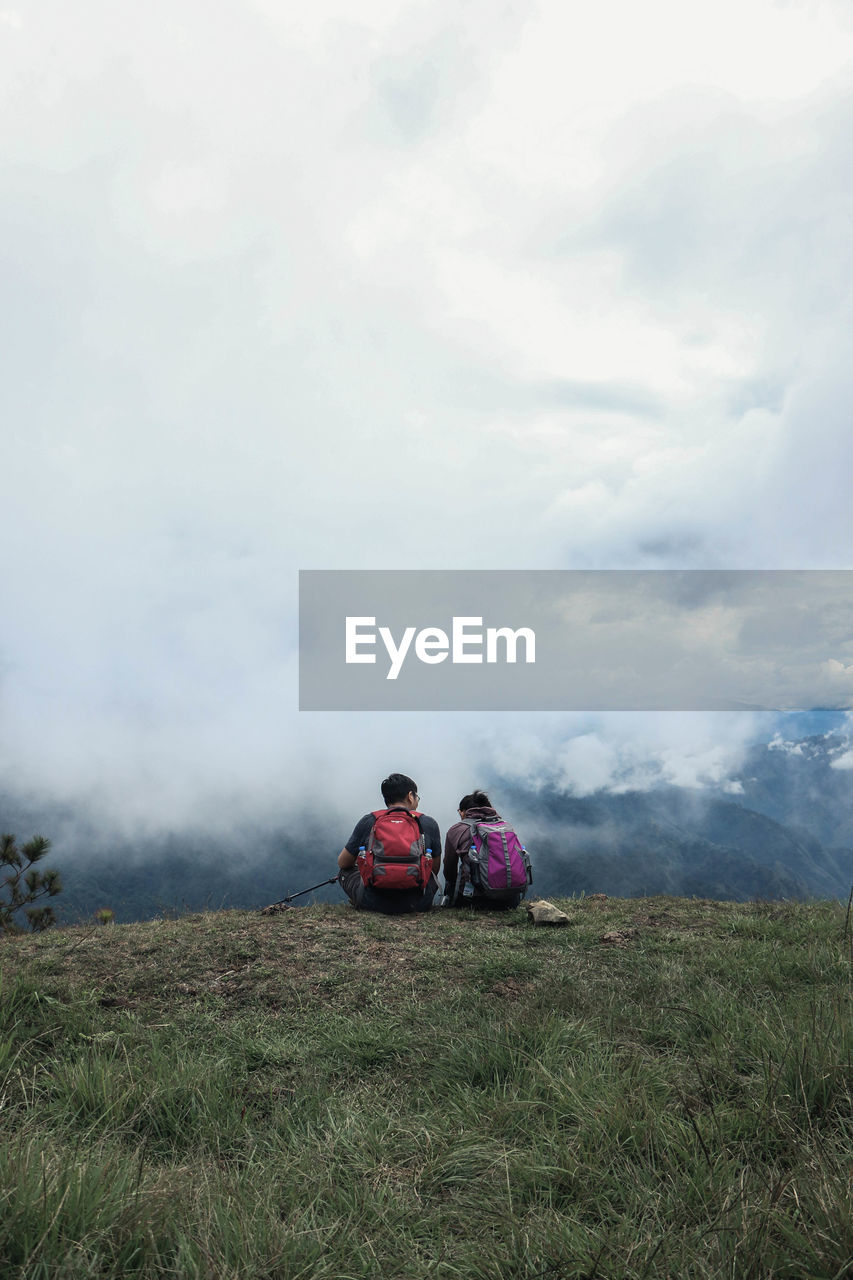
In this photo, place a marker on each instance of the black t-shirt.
(429, 827)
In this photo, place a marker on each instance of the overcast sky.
(396, 285)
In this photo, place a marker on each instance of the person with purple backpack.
(485, 864)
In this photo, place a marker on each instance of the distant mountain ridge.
(806, 783)
(781, 827)
(787, 833)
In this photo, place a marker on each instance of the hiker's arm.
(458, 841)
(451, 856)
(432, 835)
(349, 853)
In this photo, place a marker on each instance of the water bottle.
(467, 889)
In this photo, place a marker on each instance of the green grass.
(326, 1094)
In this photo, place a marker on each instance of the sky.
(398, 285)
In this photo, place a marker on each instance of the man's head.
(399, 789)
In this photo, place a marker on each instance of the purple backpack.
(498, 865)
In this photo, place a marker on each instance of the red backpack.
(395, 856)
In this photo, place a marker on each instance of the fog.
(428, 286)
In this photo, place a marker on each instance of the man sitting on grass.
(390, 862)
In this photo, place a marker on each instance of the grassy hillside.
(664, 1088)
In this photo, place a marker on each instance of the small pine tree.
(25, 884)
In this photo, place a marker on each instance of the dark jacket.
(458, 841)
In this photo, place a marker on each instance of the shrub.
(26, 884)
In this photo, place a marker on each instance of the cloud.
(620, 751)
(417, 286)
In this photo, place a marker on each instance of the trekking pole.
(285, 902)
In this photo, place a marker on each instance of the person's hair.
(396, 787)
(476, 800)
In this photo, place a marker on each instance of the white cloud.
(617, 752)
(583, 264)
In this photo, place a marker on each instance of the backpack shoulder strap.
(418, 817)
(474, 828)
(377, 813)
